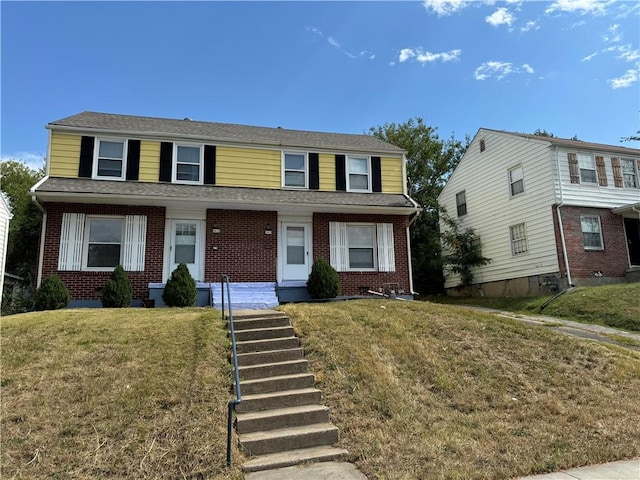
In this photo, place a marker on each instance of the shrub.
(52, 294)
(180, 290)
(323, 281)
(117, 292)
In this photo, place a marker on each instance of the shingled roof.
(222, 132)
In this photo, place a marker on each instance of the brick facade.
(353, 281)
(586, 265)
(84, 285)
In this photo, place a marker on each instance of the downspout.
(560, 227)
(411, 220)
(43, 228)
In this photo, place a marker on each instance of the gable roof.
(567, 143)
(222, 132)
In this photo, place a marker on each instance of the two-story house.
(549, 212)
(259, 204)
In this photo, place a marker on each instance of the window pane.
(188, 172)
(591, 240)
(358, 165)
(293, 162)
(515, 174)
(360, 257)
(109, 168)
(295, 255)
(185, 254)
(294, 179)
(460, 198)
(358, 182)
(590, 225)
(517, 187)
(189, 155)
(103, 255)
(186, 234)
(360, 236)
(111, 149)
(586, 161)
(588, 176)
(105, 230)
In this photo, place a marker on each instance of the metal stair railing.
(224, 280)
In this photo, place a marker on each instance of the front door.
(185, 246)
(295, 251)
(632, 227)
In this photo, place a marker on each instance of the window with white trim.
(516, 180)
(461, 203)
(294, 169)
(362, 247)
(591, 232)
(109, 159)
(518, 234)
(587, 166)
(188, 164)
(629, 173)
(100, 243)
(358, 173)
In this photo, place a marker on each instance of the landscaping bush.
(323, 281)
(117, 292)
(52, 294)
(180, 290)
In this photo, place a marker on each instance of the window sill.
(115, 179)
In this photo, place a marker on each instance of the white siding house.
(5, 217)
(517, 192)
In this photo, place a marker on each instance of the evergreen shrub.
(52, 294)
(117, 292)
(323, 281)
(180, 290)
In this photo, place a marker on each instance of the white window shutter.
(71, 239)
(338, 246)
(386, 254)
(135, 239)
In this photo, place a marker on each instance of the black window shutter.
(210, 164)
(166, 154)
(314, 171)
(86, 157)
(341, 178)
(376, 174)
(133, 159)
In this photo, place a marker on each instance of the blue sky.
(567, 66)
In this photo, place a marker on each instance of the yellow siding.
(327, 168)
(391, 171)
(247, 167)
(65, 155)
(149, 161)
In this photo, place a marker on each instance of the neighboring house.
(549, 212)
(5, 217)
(259, 204)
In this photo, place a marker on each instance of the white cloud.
(614, 36)
(334, 43)
(629, 55)
(500, 70)
(33, 160)
(589, 57)
(625, 80)
(530, 25)
(428, 57)
(579, 6)
(444, 7)
(501, 16)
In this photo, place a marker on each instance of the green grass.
(119, 394)
(615, 306)
(421, 390)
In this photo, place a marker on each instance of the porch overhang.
(80, 190)
(631, 210)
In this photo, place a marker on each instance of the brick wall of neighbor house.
(612, 262)
(244, 251)
(353, 281)
(85, 285)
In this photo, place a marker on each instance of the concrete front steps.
(281, 421)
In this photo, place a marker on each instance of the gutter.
(560, 227)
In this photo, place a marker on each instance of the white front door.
(185, 246)
(296, 252)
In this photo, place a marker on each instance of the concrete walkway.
(314, 471)
(622, 470)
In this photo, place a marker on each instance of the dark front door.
(632, 227)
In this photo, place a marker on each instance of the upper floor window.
(587, 168)
(461, 203)
(483, 146)
(629, 172)
(591, 232)
(518, 235)
(109, 161)
(294, 170)
(516, 180)
(358, 174)
(188, 164)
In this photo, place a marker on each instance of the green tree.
(541, 132)
(462, 249)
(16, 179)
(430, 162)
(632, 138)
